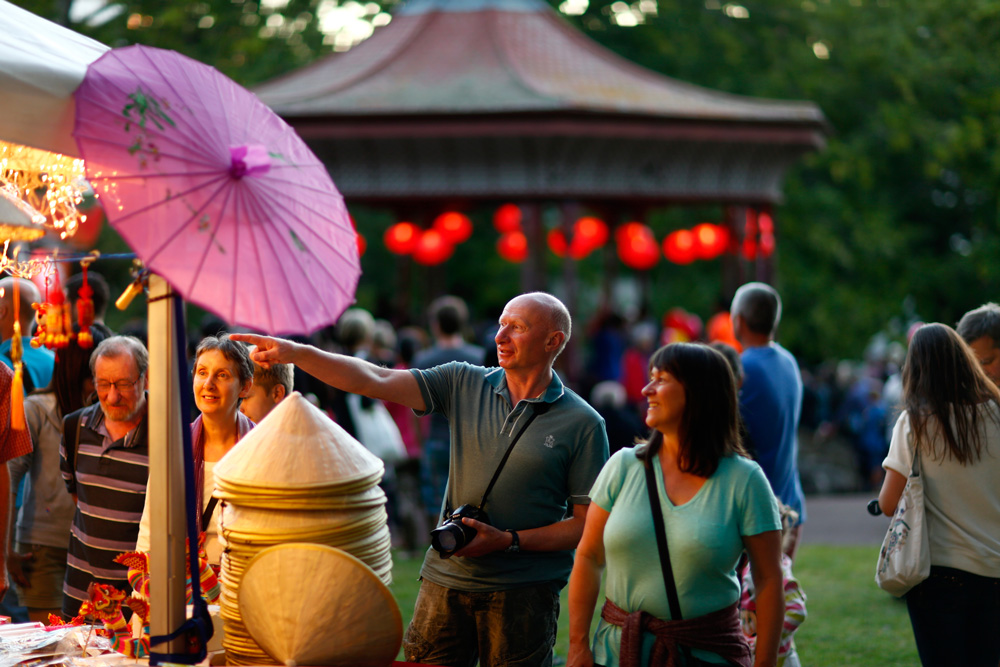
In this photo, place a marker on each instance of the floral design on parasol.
(215, 192)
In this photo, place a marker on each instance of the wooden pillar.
(533, 268)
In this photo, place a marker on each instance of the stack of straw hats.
(297, 477)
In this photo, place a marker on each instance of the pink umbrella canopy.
(215, 192)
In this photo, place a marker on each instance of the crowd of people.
(684, 456)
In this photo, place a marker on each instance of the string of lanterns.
(635, 242)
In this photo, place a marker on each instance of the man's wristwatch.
(515, 543)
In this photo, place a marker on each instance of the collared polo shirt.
(553, 465)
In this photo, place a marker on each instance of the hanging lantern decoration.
(454, 227)
(680, 326)
(680, 246)
(589, 234)
(766, 225)
(557, 242)
(637, 246)
(710, 240)
(507, 218)
(432, 248)
(513, 246)
(401, 238)
(85, 311)
(750, 235)
(362, 244)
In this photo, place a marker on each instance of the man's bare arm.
(349, 374)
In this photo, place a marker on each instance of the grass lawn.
(851, 622)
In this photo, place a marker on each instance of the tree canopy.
(897, 218)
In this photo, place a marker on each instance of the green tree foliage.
(900, 207)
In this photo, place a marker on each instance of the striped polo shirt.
(109, 478)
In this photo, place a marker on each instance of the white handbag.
(375, 429)
(905, 558)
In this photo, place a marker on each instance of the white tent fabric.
(41, 64)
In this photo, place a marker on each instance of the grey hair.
(760, 306)
(118, 346)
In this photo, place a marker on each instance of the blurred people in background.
(635, 365)
(37, 564)
(980, 328)
(448, 317)
(771, 396)
(621, 422)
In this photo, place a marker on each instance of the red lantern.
(362, 244)
(766, 244)
(507, 219)
(640, 252)
(630, 230)
(710, 240)
(513, 246)
(750, 235)
(720, 328)
(680, 246)
(557, 242)
(454, 227)
(89, 230)
(432, 248)
(590, 233)
(402, 238)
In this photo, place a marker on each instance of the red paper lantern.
(432, 248)
(402, 238)
(639, 250)
(557, 242)
(750, 235)
(720, 328)
(710, 240)
(630, 230)
(507, 218)
(362, 244)
(680, 246)
(89, 230)
(454, 227)
(513, 246)
(590, 233)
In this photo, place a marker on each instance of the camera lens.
(446, 540)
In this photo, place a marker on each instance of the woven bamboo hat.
(307, 604)
(297, 447)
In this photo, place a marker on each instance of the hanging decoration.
(513, 246)
(432, 248)
(85, 311)
(711, 240)
(402, 238)
(637, 246)
(749, 248)
(766, 226)
(454, 227)
(588, 234)
(680, 246)
(507, 218)
(48, 186)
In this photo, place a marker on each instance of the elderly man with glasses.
(104, 458)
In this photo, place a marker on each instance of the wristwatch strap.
(515, 543)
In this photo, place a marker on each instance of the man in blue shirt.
(38, 362)
(771, 396)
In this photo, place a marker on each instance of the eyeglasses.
(103, 386)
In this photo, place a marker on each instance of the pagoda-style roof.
(503, 97)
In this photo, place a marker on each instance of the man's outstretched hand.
(269, 350)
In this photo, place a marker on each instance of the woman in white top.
(952, 417)
(223, 375)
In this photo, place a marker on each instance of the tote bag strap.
(661, 542)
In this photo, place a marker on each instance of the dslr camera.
(452, 534)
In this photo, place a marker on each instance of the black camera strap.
(539, 408)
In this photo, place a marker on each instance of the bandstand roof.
(503, 98)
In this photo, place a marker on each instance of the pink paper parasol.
(214, 192)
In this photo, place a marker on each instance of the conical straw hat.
(308, 604)
(296, 446)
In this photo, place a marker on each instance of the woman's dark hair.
(943, 380)
(709, 428)
(233, 350)
(71, 368)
